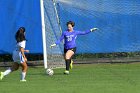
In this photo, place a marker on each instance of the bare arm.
(27, 51)
(22, 52)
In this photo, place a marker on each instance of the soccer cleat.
(1, 75)
(66, 72)
(71, 64)
(23, 80)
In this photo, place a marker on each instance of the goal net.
(117, 20)
(53, 57)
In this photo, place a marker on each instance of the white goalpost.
(43, 34)
(51, 31)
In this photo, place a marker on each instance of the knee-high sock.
(8, 71)
(68, 64)
(23, 75)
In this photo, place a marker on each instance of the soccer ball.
(49, 72)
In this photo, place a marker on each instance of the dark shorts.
(73, 49)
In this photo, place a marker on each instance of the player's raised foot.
(66, 72)
(23, 80)
(71, 64)
(1, 75)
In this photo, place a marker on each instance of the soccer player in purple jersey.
(69, 37)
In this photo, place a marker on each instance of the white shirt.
(20, 44)
(17, 56)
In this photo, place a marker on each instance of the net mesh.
(55, 57)
(117, 20)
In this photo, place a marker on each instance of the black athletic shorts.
(73, 49)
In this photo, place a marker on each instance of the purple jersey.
(70, 38)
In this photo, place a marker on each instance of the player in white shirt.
(18, 56)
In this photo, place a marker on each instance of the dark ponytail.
(20, 36)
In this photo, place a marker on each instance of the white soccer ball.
(49, 72)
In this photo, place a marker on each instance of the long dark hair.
(20, 36)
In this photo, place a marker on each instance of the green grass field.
(90, 78)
